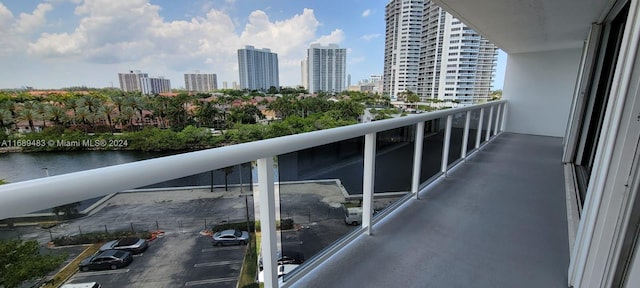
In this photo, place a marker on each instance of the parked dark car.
(133, 245)
(282, 260)
(109, 259)
(230, 237)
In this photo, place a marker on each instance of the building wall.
(200, 82)
(159, 85)
(539, 87)
(456, 63)
(326, 68)
(258, 68)
(402, 46)
(305, 74)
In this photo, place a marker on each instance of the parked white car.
(282, 270)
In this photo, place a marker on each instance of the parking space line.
(216, 263)
(222, 248)
(96, 273)
(210, 281)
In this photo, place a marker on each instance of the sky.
(50, 44)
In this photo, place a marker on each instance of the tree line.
(175, 122)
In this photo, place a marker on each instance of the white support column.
(368, 180)
(479, 133)
(268, 221)
(488, 135)
(447, 142)
(495, 128)
(465, 136)
(417, 158)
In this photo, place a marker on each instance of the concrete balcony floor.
(498, 220)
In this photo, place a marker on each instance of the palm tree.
(207, 114)
(7, 114)
(5, 118)
(125, 116)
(84, 117)
(137, 104)
(105, 111)
(41, 109)
(159, 107)
(28, 113)
(56, 114)
(118, 101)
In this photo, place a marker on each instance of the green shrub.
(97, 237)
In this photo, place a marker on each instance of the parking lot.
(175, 260)
(183, 257)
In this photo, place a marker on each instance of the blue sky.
(62, 43)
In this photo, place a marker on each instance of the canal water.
(342, 160)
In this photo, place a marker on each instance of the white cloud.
(6, 17)
(366, 13)
(29, 22)
(16, 30)
(368, 37)
(335, 37)
(141, 39)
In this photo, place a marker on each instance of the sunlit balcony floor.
(498, 220)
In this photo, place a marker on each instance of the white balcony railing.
(34, 195)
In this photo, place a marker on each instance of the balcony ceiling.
(521, 26)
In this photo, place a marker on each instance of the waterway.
(342, 160)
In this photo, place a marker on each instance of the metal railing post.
(488, 135)
(465, 136)
(504, 117)
(368, 180)
(445, 148)
(268, 221)
(417, 158)
(495, 128)
(479, 134)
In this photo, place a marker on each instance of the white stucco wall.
(539, 87)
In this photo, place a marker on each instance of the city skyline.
(56, 44)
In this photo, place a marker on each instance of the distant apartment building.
(372, 85)
(160, 85)
(258, 68)
(136, 81)
(197, 82)
(402, 46)
(304, 72)
(456, 62)
(453, 62)
(326, 68)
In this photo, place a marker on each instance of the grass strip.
(67, 271)
(250, 265)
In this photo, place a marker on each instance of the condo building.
(326, 68)
(136, 81)
(451, 62)
(197, 82)
(258, 68)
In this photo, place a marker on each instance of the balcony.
(447, 138)
(497, 220)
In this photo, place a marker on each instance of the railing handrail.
(24, 197)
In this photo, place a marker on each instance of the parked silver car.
(230, 237)
(133, 245)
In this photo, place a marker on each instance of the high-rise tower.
(258, 68)
(327, 67)
(433, 54)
